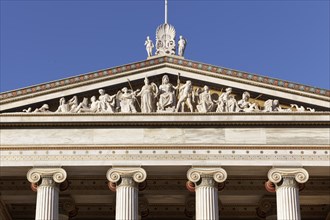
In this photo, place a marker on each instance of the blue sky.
(46, 40)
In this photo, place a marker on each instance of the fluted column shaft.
(207, 200)
(206, 188)
(47, 191)
(287, 191)
(127, 199)
(287, 197)
(47, 199)
(126, 179)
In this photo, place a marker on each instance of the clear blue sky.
(49, 40)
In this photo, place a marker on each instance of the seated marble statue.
(148, 95)
(167, 99)
(205, 103)
(186, 96)
(106, 102)
(246, 106)
(126, 99)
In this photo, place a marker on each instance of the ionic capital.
(115, 174)
(57, 174)
(275, 175)
(218, 174)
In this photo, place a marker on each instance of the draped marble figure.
(205, 103)
(167, 94)
(148, 95)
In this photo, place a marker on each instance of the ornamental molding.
(115, 174)
(218, 174)
(275, 175)
(34, 175)
(101, 75)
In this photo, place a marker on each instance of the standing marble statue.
(182, 46)
(186, 96)
(148, 95)
(126, 99)
(167, 99)
(149, 46)
(205, 103)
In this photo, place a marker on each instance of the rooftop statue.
(181, 46)
(149, 46)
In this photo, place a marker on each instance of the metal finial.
(165, 11)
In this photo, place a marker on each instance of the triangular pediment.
(261, 89)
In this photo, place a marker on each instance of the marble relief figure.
(63, 106)
(205, 103)
(246, 106)
(186, 96)
(106, 102)
(126, 99)
(148, 95)
(167, 99)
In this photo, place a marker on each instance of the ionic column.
(127, 179)
(47, 191)
(206, 189)
(286, 182)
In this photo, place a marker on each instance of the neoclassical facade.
(165, 138)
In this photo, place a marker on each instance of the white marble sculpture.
(167, 99)
(204, 103)
(299, 109)
(107, 102)
(226, 102)
(181, 46)
(63, 106)
(246, 106)
(149, 46)
(44, 109)
(165, 40)
(186, 96)
(126, 99)
(148, 95)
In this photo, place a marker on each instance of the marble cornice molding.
(138, 174)
(275, 175)
(34, 175)
(218, 174)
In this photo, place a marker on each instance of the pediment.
(262, 90)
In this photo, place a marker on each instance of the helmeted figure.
(148, 95)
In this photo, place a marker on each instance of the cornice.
(157, 62)
(15, 120)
